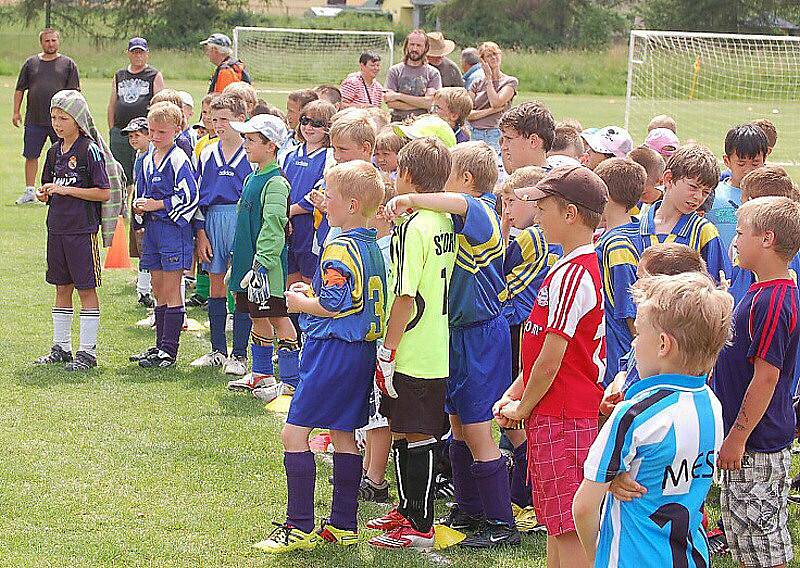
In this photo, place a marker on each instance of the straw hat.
(439, 46)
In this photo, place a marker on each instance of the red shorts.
(557, 448)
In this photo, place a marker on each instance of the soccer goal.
(710, 82)
(281, 59)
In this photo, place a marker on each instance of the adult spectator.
(219, 50)
(492, 96)
(42, 75)
(471, 66)
(131, 91)
(437, 56)
(410, 85)
(362, 89)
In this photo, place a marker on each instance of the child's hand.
(145, 204)
(293, 301)
(41, 195)
(203, 245)
(730, 454)
(51, 189)
(317, 199)
(513, 412)
(300, 288)
(609, 402)
(624, 488)
(397, 206)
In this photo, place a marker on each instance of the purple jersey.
(82, 165)
(765, 326)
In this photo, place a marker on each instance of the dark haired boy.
(526, 135)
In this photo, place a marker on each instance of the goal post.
(710, 82)
(286, 58)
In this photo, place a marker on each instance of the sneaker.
(526, 520)
(493, 535)
(330, 533)
(444, 487)
(83, 362)
(794, 490)
(250, 382)
(286, 538)
(389, 522)
(404, 537)
(266, 392)
(370, 491)
(717, 544)
(57, 355)
(460, 521)
(235, 366)
(158, 360)
(213, 359)
(149, 321)
(136, 357)
(146, 300)
(195, 301)
(27, 197)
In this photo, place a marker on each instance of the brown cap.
(576, 184)
(439, 46)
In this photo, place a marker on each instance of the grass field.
(122, 467)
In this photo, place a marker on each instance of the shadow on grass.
(237, 404)
(133, 373)
(50, 375)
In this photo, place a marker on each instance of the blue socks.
(289, 363)
(242, 325)
(262, 359)
(217, 315)
(346, 479)
(492, 480)
(171, 336)
(301, 474)
(520, 490)
(466, 489)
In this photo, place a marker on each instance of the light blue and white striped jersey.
(666, 434)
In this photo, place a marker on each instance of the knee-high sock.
(400, 458)
(262, 349)
(242, 325)
(520, 490)
(346, 479)
(143, 285)
(173, 322)
(202, 285)
(217, 314)
(289, 362)
(90, 322)
(466, 490)
(62, 328)
(301, 474)
(492, 480)
(159, 313)
(418, 484)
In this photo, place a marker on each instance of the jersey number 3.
(378, 299)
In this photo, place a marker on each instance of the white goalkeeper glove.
(257, 284)
(384, 371)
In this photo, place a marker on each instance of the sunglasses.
(316, 123)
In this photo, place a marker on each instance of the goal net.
(284, 59)
(710, 82)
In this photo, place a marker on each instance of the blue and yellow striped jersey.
(477, 279)
(351, 281)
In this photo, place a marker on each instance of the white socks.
(90, 321)
(62, 328)
(143, 285)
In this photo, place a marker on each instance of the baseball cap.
(138, 123)
(611, 140)
(428, 125)
(576, 184)
(270, 126)
(137, 43)
(186, 98)
(220, 40)
(662, 140)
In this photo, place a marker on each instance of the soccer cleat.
(83, 362)
(389, 522)
(494, 534)
(250, 382)
(444, 487)
(57, 355)
(149, 321)
(213, 359)
(196, 301)
(235, 365)
(369, 491)
(158, 360)
(717, 543)
(460, 521)
(330, 533)
(136, 357)
(404, 537)
(286, 538)
(526, 520)
(146, 300)
(27, 197)
(266, 392)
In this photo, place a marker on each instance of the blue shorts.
(303, 261)
(220, 230)
(480, 369)
(336, 379)
(166, 246)
(34, 138)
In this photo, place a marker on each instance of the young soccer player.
(753, 379)
(662, 140)
(294, 104)
(387, 145)
(453, 105)
(663, 121)
(412, 364)
(480, 345)
(182, 140)
(654, 164)
(665, 433)
(618, 256)
(168, 199)
(567, 147)
(205, 120)
(526, 135)
(770, 131)
(246, 93)
(331, 94)
(563, 349)
(342, 314)
(74, 183)
(187, 107)
(221, 173)
(608, 142)
(745, 150)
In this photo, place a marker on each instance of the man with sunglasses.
(410, 85)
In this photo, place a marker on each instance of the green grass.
(122, 467)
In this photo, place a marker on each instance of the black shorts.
(73, 259)
(275, 308)
(419, 406)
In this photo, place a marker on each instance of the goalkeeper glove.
(257, 284)
(384, 371)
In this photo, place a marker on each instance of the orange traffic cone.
(117, 256)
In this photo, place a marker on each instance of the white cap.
(186, 98)
(272, 127)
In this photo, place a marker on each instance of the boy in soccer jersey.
(182, 140)
(753, 379)
(221, 172)
(453, 105)
(74, 183)
(480, 345)
(691, 175)
(618, 256)
(654, 164)
(167, 201)
(665, 434)
(342, 316)
(412, 364)
(563, 350)
(527, 132)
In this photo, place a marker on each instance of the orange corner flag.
(117, 256)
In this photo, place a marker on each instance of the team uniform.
(727, 199)
(753, 499)
(618, 260)
(666, 435)
(563, 424)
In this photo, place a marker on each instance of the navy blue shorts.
(303, 261)
(73, 259)
(480, 369)
(166, 246)
(336, 379)
(34, 139)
